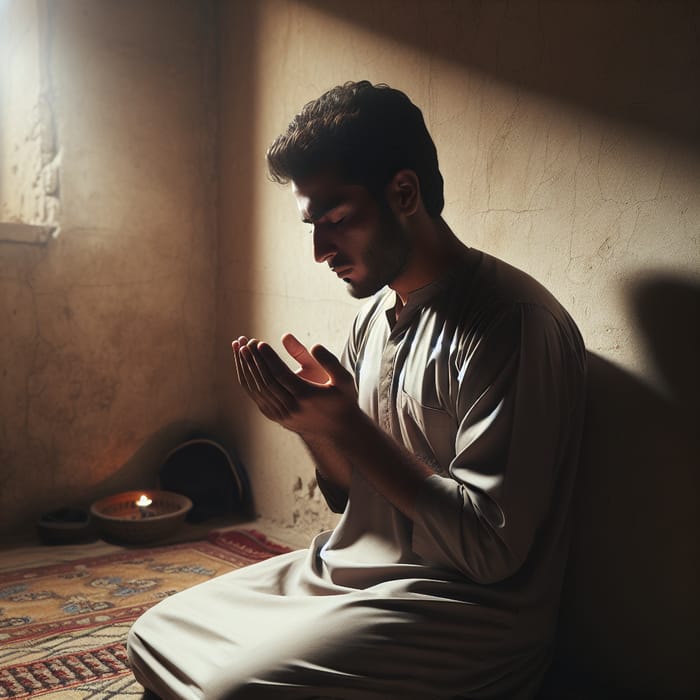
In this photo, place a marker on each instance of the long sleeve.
(336, 498)
(518, 386)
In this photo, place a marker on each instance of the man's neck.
(435, 251)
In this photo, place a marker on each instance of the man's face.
(361, 239)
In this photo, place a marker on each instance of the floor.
(29, 551)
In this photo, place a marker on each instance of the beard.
(385, 258)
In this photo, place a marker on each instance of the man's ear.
(403, 192)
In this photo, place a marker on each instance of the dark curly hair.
(368, 132)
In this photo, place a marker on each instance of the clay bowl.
(119, 519)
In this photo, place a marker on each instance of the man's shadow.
(629, 621)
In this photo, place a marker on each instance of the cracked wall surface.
(567, 136)
(107, 330)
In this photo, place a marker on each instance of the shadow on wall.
(140, 471)
(630, 61)
(239, 36)
(630, 610)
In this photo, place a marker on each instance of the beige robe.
(483, 377)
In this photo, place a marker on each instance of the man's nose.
(324, 249)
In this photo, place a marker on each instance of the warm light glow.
(143, 501)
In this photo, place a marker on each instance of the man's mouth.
(342, 272)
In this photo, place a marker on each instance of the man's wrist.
(339, 431)
(350, 428)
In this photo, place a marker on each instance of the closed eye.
(328, 223)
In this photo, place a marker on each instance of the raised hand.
(309, 367)
(314, 401)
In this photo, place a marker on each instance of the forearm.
(388, 466)
(326, 415)
(333, 471)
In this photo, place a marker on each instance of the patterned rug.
(63, 627)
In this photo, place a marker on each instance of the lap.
(241, 636)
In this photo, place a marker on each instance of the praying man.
(446, 434)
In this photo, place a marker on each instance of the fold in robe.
(482, 376)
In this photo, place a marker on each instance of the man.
(447, 436)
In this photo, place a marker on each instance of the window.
(29, 157)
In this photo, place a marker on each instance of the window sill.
(25, 234)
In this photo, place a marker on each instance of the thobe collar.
(401, 315)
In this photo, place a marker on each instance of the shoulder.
(497, 301)
(498, 283)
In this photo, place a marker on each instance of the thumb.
(331, 364)
(297, 350)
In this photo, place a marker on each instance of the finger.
(248, 377)
(249, 368)
(253, 383)
(267, 389)
(310, 369)
(235, 347)
(273, 373)
(331, 364)
(267, 405)
(277, 372)
(297, 350)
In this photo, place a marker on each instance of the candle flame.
(143, 501)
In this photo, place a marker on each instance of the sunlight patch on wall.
(29, 153)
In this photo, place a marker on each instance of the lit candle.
(142, 504)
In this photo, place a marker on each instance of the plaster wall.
(106, 346)
(563, 141)
(568, 139)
